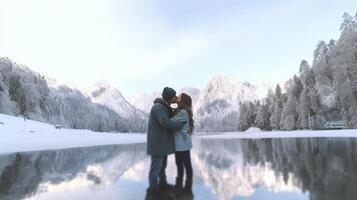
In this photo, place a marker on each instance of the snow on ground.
(17, 135)
(253, 130)
(347, 133)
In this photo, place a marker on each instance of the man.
(160, 141)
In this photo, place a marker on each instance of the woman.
(183, 141)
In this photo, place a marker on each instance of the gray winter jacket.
(160, 138)
(183, 137)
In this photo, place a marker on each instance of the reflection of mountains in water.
(326, 168)
(24, 174)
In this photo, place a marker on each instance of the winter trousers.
(157, 171)
(183, 161)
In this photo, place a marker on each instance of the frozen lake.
(289, 168)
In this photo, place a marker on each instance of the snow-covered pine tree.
(304, 110)
(304, 107)
(17, 94)
(289, 114)
(6, 105)
(323, 74)
(243, 117)
(247, 115)
(344, 67)
(262, 119)
(277, 109)
(349, 23)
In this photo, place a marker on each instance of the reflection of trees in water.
(24, 172)
(15, 179)
(327, 168)
(324, 167)
(220, 165)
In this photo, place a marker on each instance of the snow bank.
(17, 135)
(253, 130)
(348, 133)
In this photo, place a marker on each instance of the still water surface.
(239, 169)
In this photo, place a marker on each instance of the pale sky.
(140, 46)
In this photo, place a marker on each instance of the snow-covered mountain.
(193, 92)
(105, 94)
(217, 106)
(145, 102)
(263, 88)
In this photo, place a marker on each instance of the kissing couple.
(170, 132)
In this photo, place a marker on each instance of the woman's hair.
(186, 103)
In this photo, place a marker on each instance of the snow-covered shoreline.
(17, 135)
(8, 145)
(347, 133)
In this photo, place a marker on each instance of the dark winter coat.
(160, 134)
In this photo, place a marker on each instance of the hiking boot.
(179, 183)
(184, 195)
(178, 187)
(156, 194)
(188, 185)
(166, 186)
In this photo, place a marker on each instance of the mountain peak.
(101, 92)
(224, 79)
(102, 84)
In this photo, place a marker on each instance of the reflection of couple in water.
(170, 131)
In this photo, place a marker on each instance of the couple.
(170, 131)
